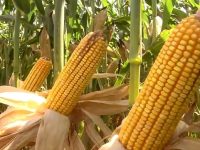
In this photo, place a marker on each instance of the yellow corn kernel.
(77, 73)
(37, 75)
(170, 102)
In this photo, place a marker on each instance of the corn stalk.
(16, 47)
(59, 36)
(135, 50)
(154, 14)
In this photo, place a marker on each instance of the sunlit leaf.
(123, 71)
(40, 6)
(158, 43)
(105, 3)
(193, 3)
(168, 8)
(179, 14)
(27, 101)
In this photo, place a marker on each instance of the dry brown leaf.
(12, 120)
(12, 81)
(10, 129)
(74, 142)
(105, 75)
(185, 144)
(99, 107)
(76, 116)
(32, 147)
(188, 116)
(92, 133)
(112, 67)
(24, 138)
(53, 130)
(7, 139)
(45, 46)
(194, 127)
(110, 94)
(180, 129)
(123, 50)
(99, 122)
(99, 20)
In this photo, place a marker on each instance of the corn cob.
(167, 90)
(76, 73)
(37, 74)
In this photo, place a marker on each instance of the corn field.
(99, 75)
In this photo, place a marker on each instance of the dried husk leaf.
(180, 129)
(99, 107)
(99, 20)
(188, 116)
(12, 81)
(53, 131)
(194, 127)
(23, 139)
(112, 67)
(113, 144)
(92, 133)
(9, 138)
(6, 140)
(122, 50)
(74, 142)
(185, 144)
(45, 46)
(105, 75)
(110, 94)
(99, 122)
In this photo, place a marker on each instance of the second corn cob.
(167, 90)
(37, 74)
(77, 73)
